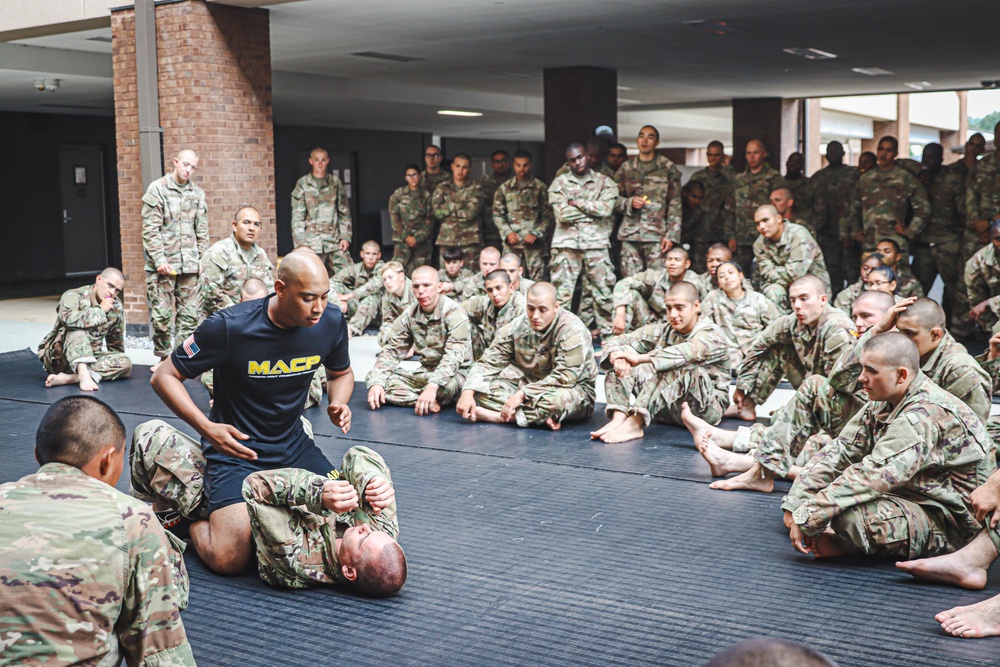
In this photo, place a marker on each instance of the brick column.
(577, 101)
(214, 65)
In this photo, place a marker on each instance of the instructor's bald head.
(302, 268)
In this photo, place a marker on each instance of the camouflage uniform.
(833, 188)
(443, 340)
(643, 230)
(554, 368)
(982, 283)
(295, 535)
(523, 208)
(87, 576)
(982, 197)
(960, 324)
(788, 347)
(604, 169)
(490, 184)
(695, 235)
(175, 232)
(365, 286)
(739, 321)
(459, 212)
(321, 219)
(581, 240)
(167, 467)
(485, 319)
(896, 482)
(810, 208)
(224, 269)
(459, 283)
(644, 296)
(907, 284)
(782, 262)
(749, 192)
(430, 181)
(391, 307)
(411, 215)
(880, 199)
(845, 299)
(938, 249)
(691, 367)
(81, 331)
(718, 208)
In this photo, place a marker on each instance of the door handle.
(66, 218)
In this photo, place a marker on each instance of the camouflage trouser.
(892, 527)
(334, 261)
(315, 387)
(744, 257)
(782, 361)
(816, 414)
(76, 349)
(173, 304)
(944, 259)
(366, 313)
(563, 404)
(833, 255)
(411, 258)
(778, 295)
(659, 394)
(534, 259)
(637, 312)
(961, 325)
(470, 253)
(993, 428)
(598, 283)
(168, 468)
(638, 256)
(403, 387)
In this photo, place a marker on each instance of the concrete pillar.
(214, 64)
(772, 120)
(810, 148)
(956, 140)
(578, 100)
(903, 124)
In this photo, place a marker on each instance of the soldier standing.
(321, 214)
(433, 175)
(961, 326)
(174, 237)
(412, 222)
(522, 213)
(718, 204)
(500, 161)
(834, 186)
(231, 262)
(751, 189)
(458, 205)
(982, 281)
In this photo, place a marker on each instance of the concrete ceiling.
(488, 55)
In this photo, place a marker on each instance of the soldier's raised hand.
(339, 496)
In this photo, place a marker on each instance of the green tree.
(987, 122)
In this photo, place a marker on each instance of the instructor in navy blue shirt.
(264, 354)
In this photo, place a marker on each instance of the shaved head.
(876, 299)
(684, 290)
(809, 282)
(426, 272)
(111, 273)
(543, 290)
(925, 313)
(298, 268)
(186, 154)
(253, 288)
(893, 349)
(511, 258)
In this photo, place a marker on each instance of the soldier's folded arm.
(78, 313)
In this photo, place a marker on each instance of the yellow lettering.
(259, 368)
(297, 365)
(280, 368)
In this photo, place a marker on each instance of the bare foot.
(757, 478)
(828, 546)
(748, 413)
(616, 421)
(977, 620)
(553, 424)
(949, 569)
(435, 407)
(488, 416)
(700, 428)
(721, 461)
(59, 379)
(88, 384)
(630, 429)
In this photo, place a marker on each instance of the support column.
(772, 120)
(578, 100)
(903, 124)
(956, 140)
(813, 138)
(214, 64)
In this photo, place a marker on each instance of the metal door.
(85, 233)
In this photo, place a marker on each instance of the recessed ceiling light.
(715, 27)
(872, 71)
(918, 85)
(463, 114)
(625, 88)
(386, 56)
(625, 100)
(810, 53)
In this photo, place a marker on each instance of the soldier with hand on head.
(412, 222)
(321, 214)
(87, 343)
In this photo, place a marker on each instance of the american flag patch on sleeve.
(189, 346)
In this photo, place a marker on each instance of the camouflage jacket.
(817, 348)
(561, 356)
(174, 225)
(719, 203)
(392, 306)
(907, 284)
(490, 184)
(430, 181)
(459, 210)
(982, 278)
(794, 255)
(294, 535)
(321, 214)
(739, 321)
(982, 195)
(87, 576)
(411, 215)
(750, 191)
(660, 184)
(810, 208)
(442, 338)
(930, 449)
(604, 169)
(589, 226)
(78, 311)
(834, 188)
(947, 198)
(694, 225)
(485, 319)
(459, 282)
(845, 299)
(224, 269)
(358, 280)
(883, 197)
(704, 347)
(523, 208)
(652, 286)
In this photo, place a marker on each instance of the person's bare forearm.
(340, 387)
(171, 391)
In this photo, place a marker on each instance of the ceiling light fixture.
(809, 53)
(872, 71)
(386, 56)
(715, 27)
(462, 114)
(50, 85)
(918, 85)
